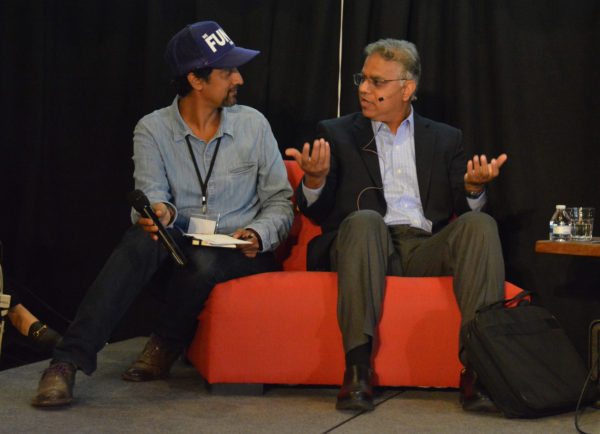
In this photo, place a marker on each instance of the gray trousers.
(366, 250)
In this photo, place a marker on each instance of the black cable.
(361, 412)
(581, 395)
(21, 287)
(344, 422)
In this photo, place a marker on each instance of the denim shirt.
(248, 187)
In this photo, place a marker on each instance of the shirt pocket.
(243, 169)
(240, 185)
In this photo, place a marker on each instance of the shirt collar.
(408, 122)
(181, 129)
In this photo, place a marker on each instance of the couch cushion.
(282, 328)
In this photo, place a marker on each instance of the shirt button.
(416, 222)
(397, 147)
(399, 171)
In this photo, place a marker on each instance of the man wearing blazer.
(386, 185)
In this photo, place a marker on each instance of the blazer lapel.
(424, 150)
(368, 154)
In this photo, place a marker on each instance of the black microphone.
(140, 202)
(380, 99)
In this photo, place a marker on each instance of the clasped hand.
(315, 164)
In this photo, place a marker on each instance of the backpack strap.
(503, 303)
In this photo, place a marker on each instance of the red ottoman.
(281, 327)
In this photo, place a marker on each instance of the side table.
(579, 248)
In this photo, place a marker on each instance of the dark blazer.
(440, 161)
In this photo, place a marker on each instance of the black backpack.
(524, 359)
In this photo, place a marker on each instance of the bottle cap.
(560, 207)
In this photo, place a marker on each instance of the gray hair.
(403, 52)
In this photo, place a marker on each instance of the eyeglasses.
(359, 78)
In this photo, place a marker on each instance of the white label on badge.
(201, 226)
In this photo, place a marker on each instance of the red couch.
(281, 327)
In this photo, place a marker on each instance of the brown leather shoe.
(473, 396)
(56, 385)
(155, 362)
(357, 392)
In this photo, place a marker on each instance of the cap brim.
(235, 57)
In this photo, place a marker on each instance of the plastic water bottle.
(560, 225)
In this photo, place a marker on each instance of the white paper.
(218, 239)
(202, 225)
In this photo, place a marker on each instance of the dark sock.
(360, 355)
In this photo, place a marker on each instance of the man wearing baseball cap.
(206, 165)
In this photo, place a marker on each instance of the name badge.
(202, 225)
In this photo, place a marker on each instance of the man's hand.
(480, 172)
(315, 164)
(248, 250)
(164, 216)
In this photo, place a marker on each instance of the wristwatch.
(474, 194)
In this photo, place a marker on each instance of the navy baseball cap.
(201, 45)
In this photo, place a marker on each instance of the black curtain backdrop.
(516, 76)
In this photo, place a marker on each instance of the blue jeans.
(128, 270)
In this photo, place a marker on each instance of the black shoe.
(42, 338)
(357, 392)
(56, 386)
(473, 395)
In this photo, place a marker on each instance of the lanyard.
(203, 184)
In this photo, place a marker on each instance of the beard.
(231, 97)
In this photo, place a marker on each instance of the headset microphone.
(380, 99)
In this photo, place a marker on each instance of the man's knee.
(363, 221)
(360, 235)
(478, 223)
(137, 249)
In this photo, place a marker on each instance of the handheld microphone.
(380, 99)
(140, 202)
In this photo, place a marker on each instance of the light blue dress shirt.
(248, 187)
(396, 154)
